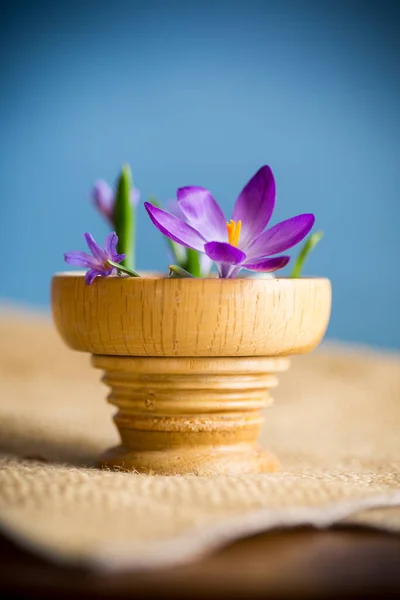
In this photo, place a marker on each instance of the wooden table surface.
(301, 563)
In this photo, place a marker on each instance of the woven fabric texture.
(334, 426)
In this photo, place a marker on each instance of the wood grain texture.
(155, 316)
(197, 416)
(190, 361)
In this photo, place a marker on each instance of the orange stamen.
(234, 228)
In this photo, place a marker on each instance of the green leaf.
(122, 269)
(309, 244)
(192, 263)
(124, 218)
(177, 271)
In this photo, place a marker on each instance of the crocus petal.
(203, 212)
(80, 259)
(110, 244)
(234, 271)
(255, 205)
(103, 198)
(174, 228)
(227, 271)
(174, 208)
(95, 248)
(267, 265)
(91, 275)
(117, 258)
(281, 237)
(135, 197)
(222, 252)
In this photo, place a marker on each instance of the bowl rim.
(174, 317)
(156, 275)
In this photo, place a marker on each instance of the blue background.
(204, 93)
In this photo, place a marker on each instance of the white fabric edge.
(196, 542)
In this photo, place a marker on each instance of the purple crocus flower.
(97, 262)
(205, 262)
(241, 242)
(104, 199)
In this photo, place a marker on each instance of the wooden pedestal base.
(189, 415)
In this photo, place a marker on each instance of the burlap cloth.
(335, 426)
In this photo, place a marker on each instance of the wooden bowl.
(190, 361)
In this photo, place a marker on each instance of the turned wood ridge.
(190, 362)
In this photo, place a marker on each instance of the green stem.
(193, 262)
(124, 218)
(309, 244)
(122, 269)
